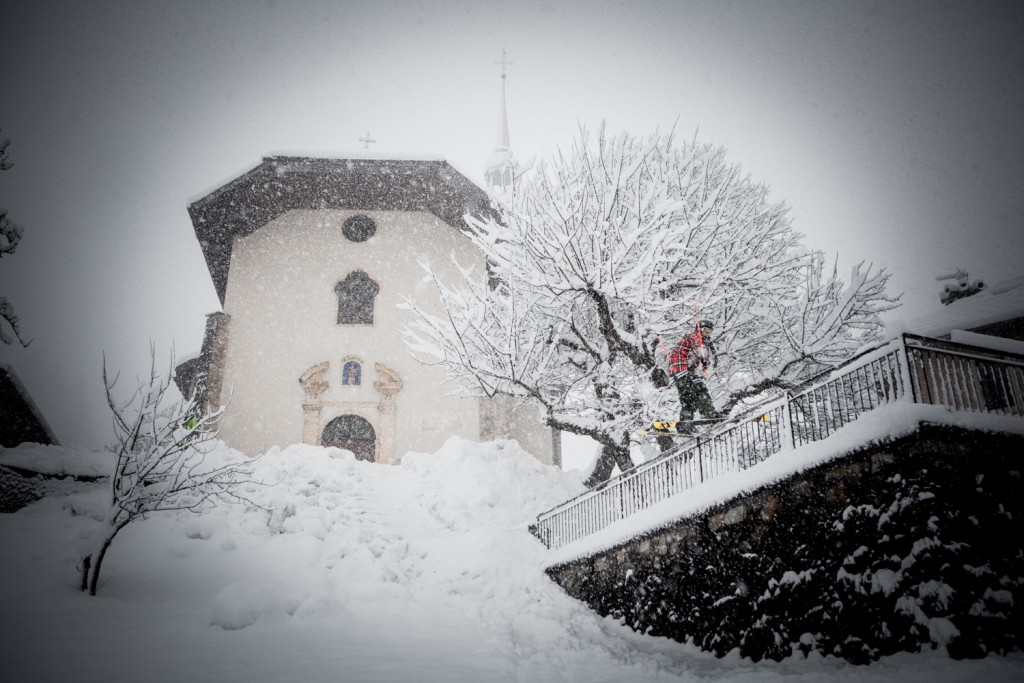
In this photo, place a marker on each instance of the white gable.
(312, 259)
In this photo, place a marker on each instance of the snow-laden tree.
(601, 264)
(164, 446)
(10, 235)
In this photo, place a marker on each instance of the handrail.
(931, 371)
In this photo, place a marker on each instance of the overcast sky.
(894, 131)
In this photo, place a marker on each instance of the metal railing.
(862, 384)
(931, 371)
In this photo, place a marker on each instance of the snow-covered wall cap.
(283, 183)
(998, 303)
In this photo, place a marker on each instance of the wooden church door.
(353, 433)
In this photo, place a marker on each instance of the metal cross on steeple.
(504, 61)
(367, 140)
(500, 172)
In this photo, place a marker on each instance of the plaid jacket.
(686, 355)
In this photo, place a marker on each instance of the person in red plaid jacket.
(686, 365)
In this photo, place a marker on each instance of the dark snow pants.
(693, 397)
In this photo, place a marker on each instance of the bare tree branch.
(165, 461)
(10, 236)
(4, 162)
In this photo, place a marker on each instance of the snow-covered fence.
(965, 378)
(923, 370)
(742, 445)
(864, 383)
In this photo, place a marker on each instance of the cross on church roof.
(504, 61)
(366, 140)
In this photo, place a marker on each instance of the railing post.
(788, 410)
(907, 376)
(700, 460)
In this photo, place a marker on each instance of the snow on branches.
(596, 267)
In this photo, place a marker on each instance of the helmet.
(707, 325)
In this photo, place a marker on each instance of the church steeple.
(500, 171)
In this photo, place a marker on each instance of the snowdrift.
(345, 570)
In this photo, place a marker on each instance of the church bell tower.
(499, 176)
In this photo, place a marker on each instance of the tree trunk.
(606, 462)
(86, 564)
(92, 564)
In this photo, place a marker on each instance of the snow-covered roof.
(281, 184)
(22, 421)
(998, 303)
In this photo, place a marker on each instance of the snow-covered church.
(311, 258)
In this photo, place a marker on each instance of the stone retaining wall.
(900, 546)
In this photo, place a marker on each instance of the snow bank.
(239, 605)
(497, 483)
(347, 570)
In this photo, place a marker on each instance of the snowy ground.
(418, 572)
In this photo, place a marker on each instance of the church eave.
(281, 184)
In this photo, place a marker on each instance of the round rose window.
(359, 228)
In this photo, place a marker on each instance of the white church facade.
(311, 259)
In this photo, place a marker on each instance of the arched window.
(353, 433)
(352, 373)
(355, 299)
